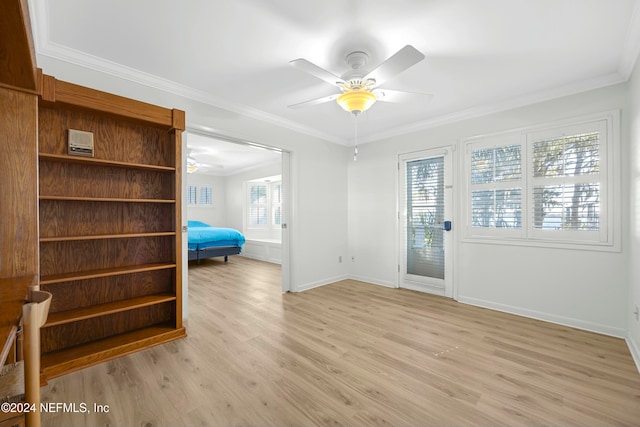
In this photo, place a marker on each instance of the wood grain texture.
(18, 184)
(17, 55)
(109, 226)
(107, 272)
(72, 218)
(61, 362)
(90, 312)
(13, 295)
(354, 354)
(79, 180)
(88, 330)
(83, 255)
(177, 192)
(115, 139)
(85, 293)
(69, 94)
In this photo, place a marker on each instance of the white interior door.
(286, 218)
(425, 221)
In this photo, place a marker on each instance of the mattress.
(202, 236)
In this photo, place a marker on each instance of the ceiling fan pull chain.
(355, 150)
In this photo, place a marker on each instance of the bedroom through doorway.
(235, 204)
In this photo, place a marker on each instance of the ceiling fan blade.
(397, 63)
(315, 101)
(388, 95)
(314, 70)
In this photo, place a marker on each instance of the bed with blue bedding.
(205, 241)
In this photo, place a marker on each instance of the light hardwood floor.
(353, 354)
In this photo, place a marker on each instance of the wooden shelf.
(82, 275)
(84, 313)
(64, 361)
(109, 226)
(105, 199)
(101, 162)
(105, 236)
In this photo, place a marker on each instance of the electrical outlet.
(340, 259)
(637, 313)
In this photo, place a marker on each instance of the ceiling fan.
(361, 89)
(193, 165)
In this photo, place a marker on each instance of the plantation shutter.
(191, 195)
(206, 195)
(566, 182)
(258, 205)
(496, 187)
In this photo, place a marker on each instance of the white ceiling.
(223, 158)
(481, 56)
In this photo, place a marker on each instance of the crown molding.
(44, 46)
(516, 102)
(631, 48)
(66, 54)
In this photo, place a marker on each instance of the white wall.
(318, 227)
(216, 214)
(332, 195)
(586, 289)
(633, 337)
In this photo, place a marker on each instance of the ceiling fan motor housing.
(357, 61)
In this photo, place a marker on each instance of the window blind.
(424, 196)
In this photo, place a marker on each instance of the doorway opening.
(242, 186)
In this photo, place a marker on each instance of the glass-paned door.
(425, 195)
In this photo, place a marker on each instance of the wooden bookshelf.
(109, 225)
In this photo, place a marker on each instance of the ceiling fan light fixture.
(192, 165)
(356, 101)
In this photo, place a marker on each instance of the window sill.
(549, 244)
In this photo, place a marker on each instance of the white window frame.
(269, 205)
(607, 238)
(501, 140)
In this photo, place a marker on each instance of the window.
(264, 203)
(258, 205)
(545, 185)
(276, 203)
(191, 195)
(206, 195)
(496, 187)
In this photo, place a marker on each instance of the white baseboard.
(373, 281)
(311, 285)
(263, 250)
(539, 315)
(635, 351)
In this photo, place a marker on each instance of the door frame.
(287, 211)
(451, 242)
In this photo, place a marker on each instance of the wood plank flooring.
(353, 354)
